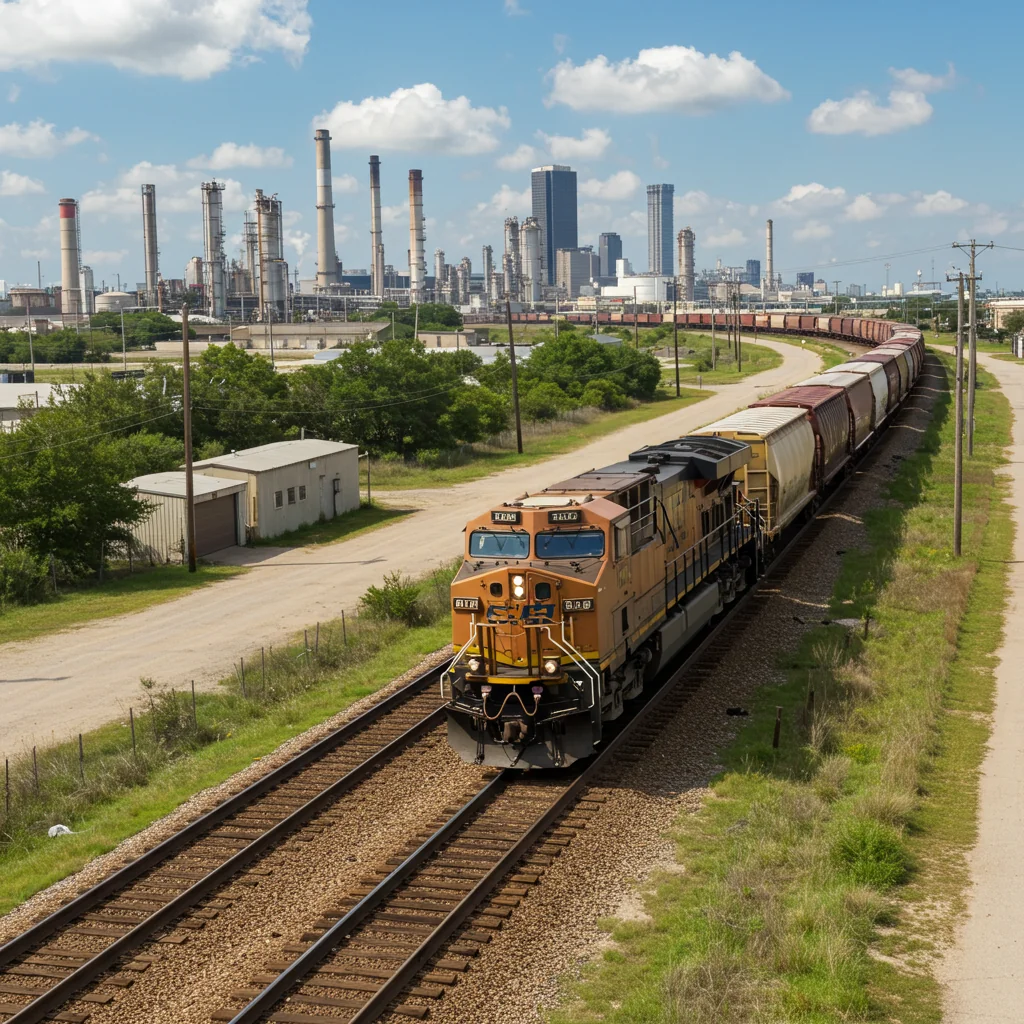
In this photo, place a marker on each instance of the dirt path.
(983, 972)
(79, 679)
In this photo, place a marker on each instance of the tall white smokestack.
(529, 245)
(150, 252)
(685, 240)
(769, 258)
(70, 259)
(417, 238)
(326, 254)
(376, 239)
(213, 245)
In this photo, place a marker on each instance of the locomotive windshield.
(570, 544)
(499, 544)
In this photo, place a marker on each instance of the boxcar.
(860, 400)
(875, 375)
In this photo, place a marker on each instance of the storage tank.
(114, 302)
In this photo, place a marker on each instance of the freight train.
(571, 597)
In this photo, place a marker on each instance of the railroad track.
(173, 886)
(399, 941)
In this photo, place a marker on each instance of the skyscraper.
(609, 247)
(753, 273)
(554, 206)
(660, 235)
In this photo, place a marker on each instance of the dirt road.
(82, 678)
(984, 971)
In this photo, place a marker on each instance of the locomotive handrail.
(462, 651)
(577, 659)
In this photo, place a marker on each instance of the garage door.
(215, 524)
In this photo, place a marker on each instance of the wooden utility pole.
(636, 323)
(714, 347)
(958, 447)
(739, 335)
(186, 402)
(675, 330)
(515, 379)
(972, 328)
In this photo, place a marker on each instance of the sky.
(872, 133)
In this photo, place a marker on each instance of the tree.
(141, 329)
(1013, 322)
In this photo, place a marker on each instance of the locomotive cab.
(569, 599)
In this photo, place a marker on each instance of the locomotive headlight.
(551, 667)
(474, 664)
(518, 586)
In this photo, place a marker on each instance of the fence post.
(195, 717)
(7, 786)
(263, 671)
(316, 643)
(867, 620)
(81, 758)
(344, 631)
(35, 769)
(241, 662)
(778, 728)
(131, 722)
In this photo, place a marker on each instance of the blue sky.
(863, 130)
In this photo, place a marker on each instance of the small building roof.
(172, 485)
(276, 455)
(12, 394)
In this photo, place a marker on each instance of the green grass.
(831, 354)
(801, 854)
(540, 441)
(756, 359)
(344, 527)
(86, 602)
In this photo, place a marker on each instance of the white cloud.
(920, 81)
(726, 239)
(35, 254)
(522, 157)
(620, 185)
(936, 203)
(298, 240)
(177, 191)
(506, 202)
(419, 118)
(592, 145)
(345, 184)
(668, 78)
(230, 154)
(394, 214)
(633, 223)
(103, 257)
(864, 207)
(992, 225)
(38, 140)
(692, 202)
(189, 39)
(13, 92)
(813, 230)
(12, 184)
(513, 10)
(864, 114)
(812, 197)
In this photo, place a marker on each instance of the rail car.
(861, 330)
(571, 597)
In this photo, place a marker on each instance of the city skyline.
(844, 177)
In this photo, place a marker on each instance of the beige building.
(316, 335)
(1002, 308)
(219, 504)
(448, 339)
(291, 483)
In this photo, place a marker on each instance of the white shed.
(220, 509)
(291, 483)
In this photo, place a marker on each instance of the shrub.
(603, 394)
(544, 402)
(23, 578)
(394, 601)
(873, 853)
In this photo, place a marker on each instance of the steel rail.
(391, 989)
(88, 972)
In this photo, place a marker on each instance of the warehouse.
(291, 483)
(220, 508)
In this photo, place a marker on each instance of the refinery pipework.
(70, 258)
(326, 254)
(417, 238)
(376, 238)
(150, 251)
(273, 271)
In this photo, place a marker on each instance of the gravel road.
(983, 972)
(79, 679)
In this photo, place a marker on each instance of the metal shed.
(290, 483)
(219, 504)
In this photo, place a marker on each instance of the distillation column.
(213, 243)
(150, 252)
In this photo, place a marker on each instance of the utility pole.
(675, 330)
(958, 448)
(186, 402)
(739, 334)
(515, 379)
(972, 327)
(836, 283)
(714, 347)
(636, 323)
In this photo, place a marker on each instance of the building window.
(278, 499)
(291, 495)
(302, 492)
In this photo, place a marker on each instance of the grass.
(120, 792)
(86, 602)
(756, 359)
(344, 527)
(801, 855)
(541, 441)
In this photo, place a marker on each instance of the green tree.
(142, 328)
(1013, 322)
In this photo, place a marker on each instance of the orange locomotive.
(570, 598)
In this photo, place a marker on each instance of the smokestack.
(70, 258)
(488, 256)
(684, 242)
(376, 241)
(326, 254)
(213, 247)
(769, 245)
(417, 238)
(438, 274)
(149, 247)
